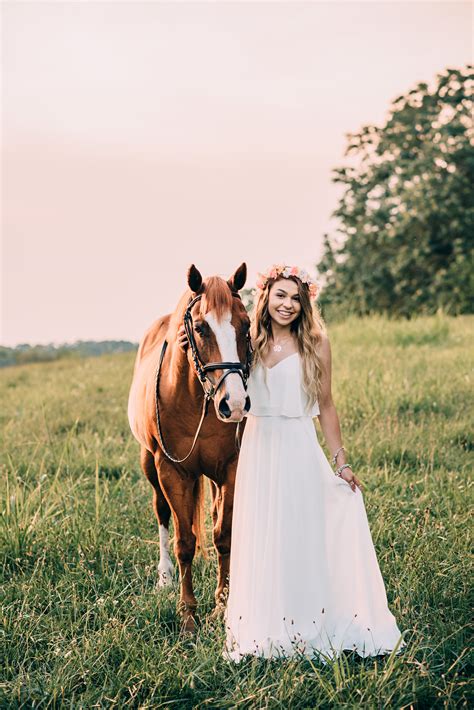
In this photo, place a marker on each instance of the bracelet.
(334, 458)
(341, 468)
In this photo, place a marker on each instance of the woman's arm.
(328, 417)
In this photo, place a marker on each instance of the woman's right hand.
(349, 477)
(182, 339)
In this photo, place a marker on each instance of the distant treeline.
(404, 245)
(44, 353)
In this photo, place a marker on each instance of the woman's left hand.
(182, 338)
(350, 477)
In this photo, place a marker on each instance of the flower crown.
(277, 270)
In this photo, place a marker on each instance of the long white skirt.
(304, 576)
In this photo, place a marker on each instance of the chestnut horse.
(175, 453)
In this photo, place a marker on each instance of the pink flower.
(282, 270)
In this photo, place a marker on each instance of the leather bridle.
(209, 386)
(202, 369)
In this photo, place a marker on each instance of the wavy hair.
(309, 327)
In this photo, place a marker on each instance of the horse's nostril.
(224, 408)
(247, 403)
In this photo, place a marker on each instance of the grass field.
(85, 626)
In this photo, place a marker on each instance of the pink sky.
(138, 138)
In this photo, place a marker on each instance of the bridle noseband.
(209, 386)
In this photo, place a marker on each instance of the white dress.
(304, 576)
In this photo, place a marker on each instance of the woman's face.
(284, 302)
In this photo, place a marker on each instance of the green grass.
(84, 625)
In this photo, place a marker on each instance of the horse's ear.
(194, 279)
(238, 278)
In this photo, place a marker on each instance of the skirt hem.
(276, 650)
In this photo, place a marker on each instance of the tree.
(407, 213)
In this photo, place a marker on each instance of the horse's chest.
(216, 455)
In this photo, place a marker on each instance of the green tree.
(407, 213)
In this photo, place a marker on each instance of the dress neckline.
(280, 361)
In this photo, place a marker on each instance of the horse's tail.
(199, 516)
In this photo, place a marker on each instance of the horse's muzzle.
(224, 409)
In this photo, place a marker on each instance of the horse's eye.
(200, 328)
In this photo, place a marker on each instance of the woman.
(304, 576)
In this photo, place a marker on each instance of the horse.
(179, 443)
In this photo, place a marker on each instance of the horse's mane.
(216, 296)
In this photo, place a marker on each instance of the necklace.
(277, 347)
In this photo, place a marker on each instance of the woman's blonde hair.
(309, 327)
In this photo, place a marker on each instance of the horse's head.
(220, 327)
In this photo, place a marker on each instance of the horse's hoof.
(217, 612)
(188, 627)
(165, 576)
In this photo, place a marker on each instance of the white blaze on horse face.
(226, 340)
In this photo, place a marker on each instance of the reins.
(210, 390)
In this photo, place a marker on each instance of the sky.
(138, 138)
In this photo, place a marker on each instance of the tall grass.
(83, 622)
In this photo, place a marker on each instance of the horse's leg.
(163, 514)
(223, 505)
(180, 497)
(215, 501)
